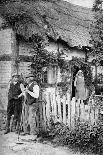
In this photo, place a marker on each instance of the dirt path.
(9, 146)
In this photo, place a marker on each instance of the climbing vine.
(42, 58)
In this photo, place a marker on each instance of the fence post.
(59, 106)
(47, 107)
(55, 104)
(64, 109)
(44, 111)
(73, 112)
(78, 107)
(82, 111)
(69, 109)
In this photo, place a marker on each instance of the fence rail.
(63, 109)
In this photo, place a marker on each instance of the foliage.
(8, 1)
(41, 57)
(97, 30)
(83, 136)
(100, 78)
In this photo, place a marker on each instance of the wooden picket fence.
(63, 109)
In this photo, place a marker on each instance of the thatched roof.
(66, 21)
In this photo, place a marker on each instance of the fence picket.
(48, 108)
(64, 109)
(82, 110)
(44, 111)
(73, 112)
(56, 106)
(59, 107)
(69, 109)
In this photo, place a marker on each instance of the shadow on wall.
(1, 105)
(3, 99)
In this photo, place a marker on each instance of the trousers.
(31, 119)
(14, 108)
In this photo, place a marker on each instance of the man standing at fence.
(14, 102)
(31, 106)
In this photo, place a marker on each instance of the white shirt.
(35, 92)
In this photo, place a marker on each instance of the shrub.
(83, 136)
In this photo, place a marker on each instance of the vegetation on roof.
(56, 18)
(97, 30)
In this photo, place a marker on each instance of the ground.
(26, 145)
(10, 145)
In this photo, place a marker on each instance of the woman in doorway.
(81, 90)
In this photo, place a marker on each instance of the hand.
(20, 95)
(16, 97)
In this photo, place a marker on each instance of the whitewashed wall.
(5, 72)
(5, 41)
(25, 49)
(7, 47)
(24, 68)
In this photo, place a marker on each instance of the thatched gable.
(66, 21)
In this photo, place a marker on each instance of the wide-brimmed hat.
(15, 75)
(29, 75)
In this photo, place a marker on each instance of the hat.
(29, 75)
(80, 71)
(15, 75)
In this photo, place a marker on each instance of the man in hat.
(31, 107)
(14, 102)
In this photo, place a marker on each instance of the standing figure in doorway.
(81, 90)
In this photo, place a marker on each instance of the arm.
(22, 89)
(35, 92)
(75, 81)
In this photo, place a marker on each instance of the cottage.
(66, 27)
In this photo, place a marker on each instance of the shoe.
(25, 133)
(16, 132)
(7, 131)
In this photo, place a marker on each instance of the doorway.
(75, 70)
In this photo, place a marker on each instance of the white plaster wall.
(5, 76)
(5, 72)
(6, 47)
(6, 41)
(24, 68)
(3, 98)
(25, 49)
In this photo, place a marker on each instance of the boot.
(18, 129)
(7, 131)
(7, 126)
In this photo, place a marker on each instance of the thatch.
(66, 21)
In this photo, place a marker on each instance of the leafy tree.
(97, 30)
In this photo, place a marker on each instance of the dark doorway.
(75, 70)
